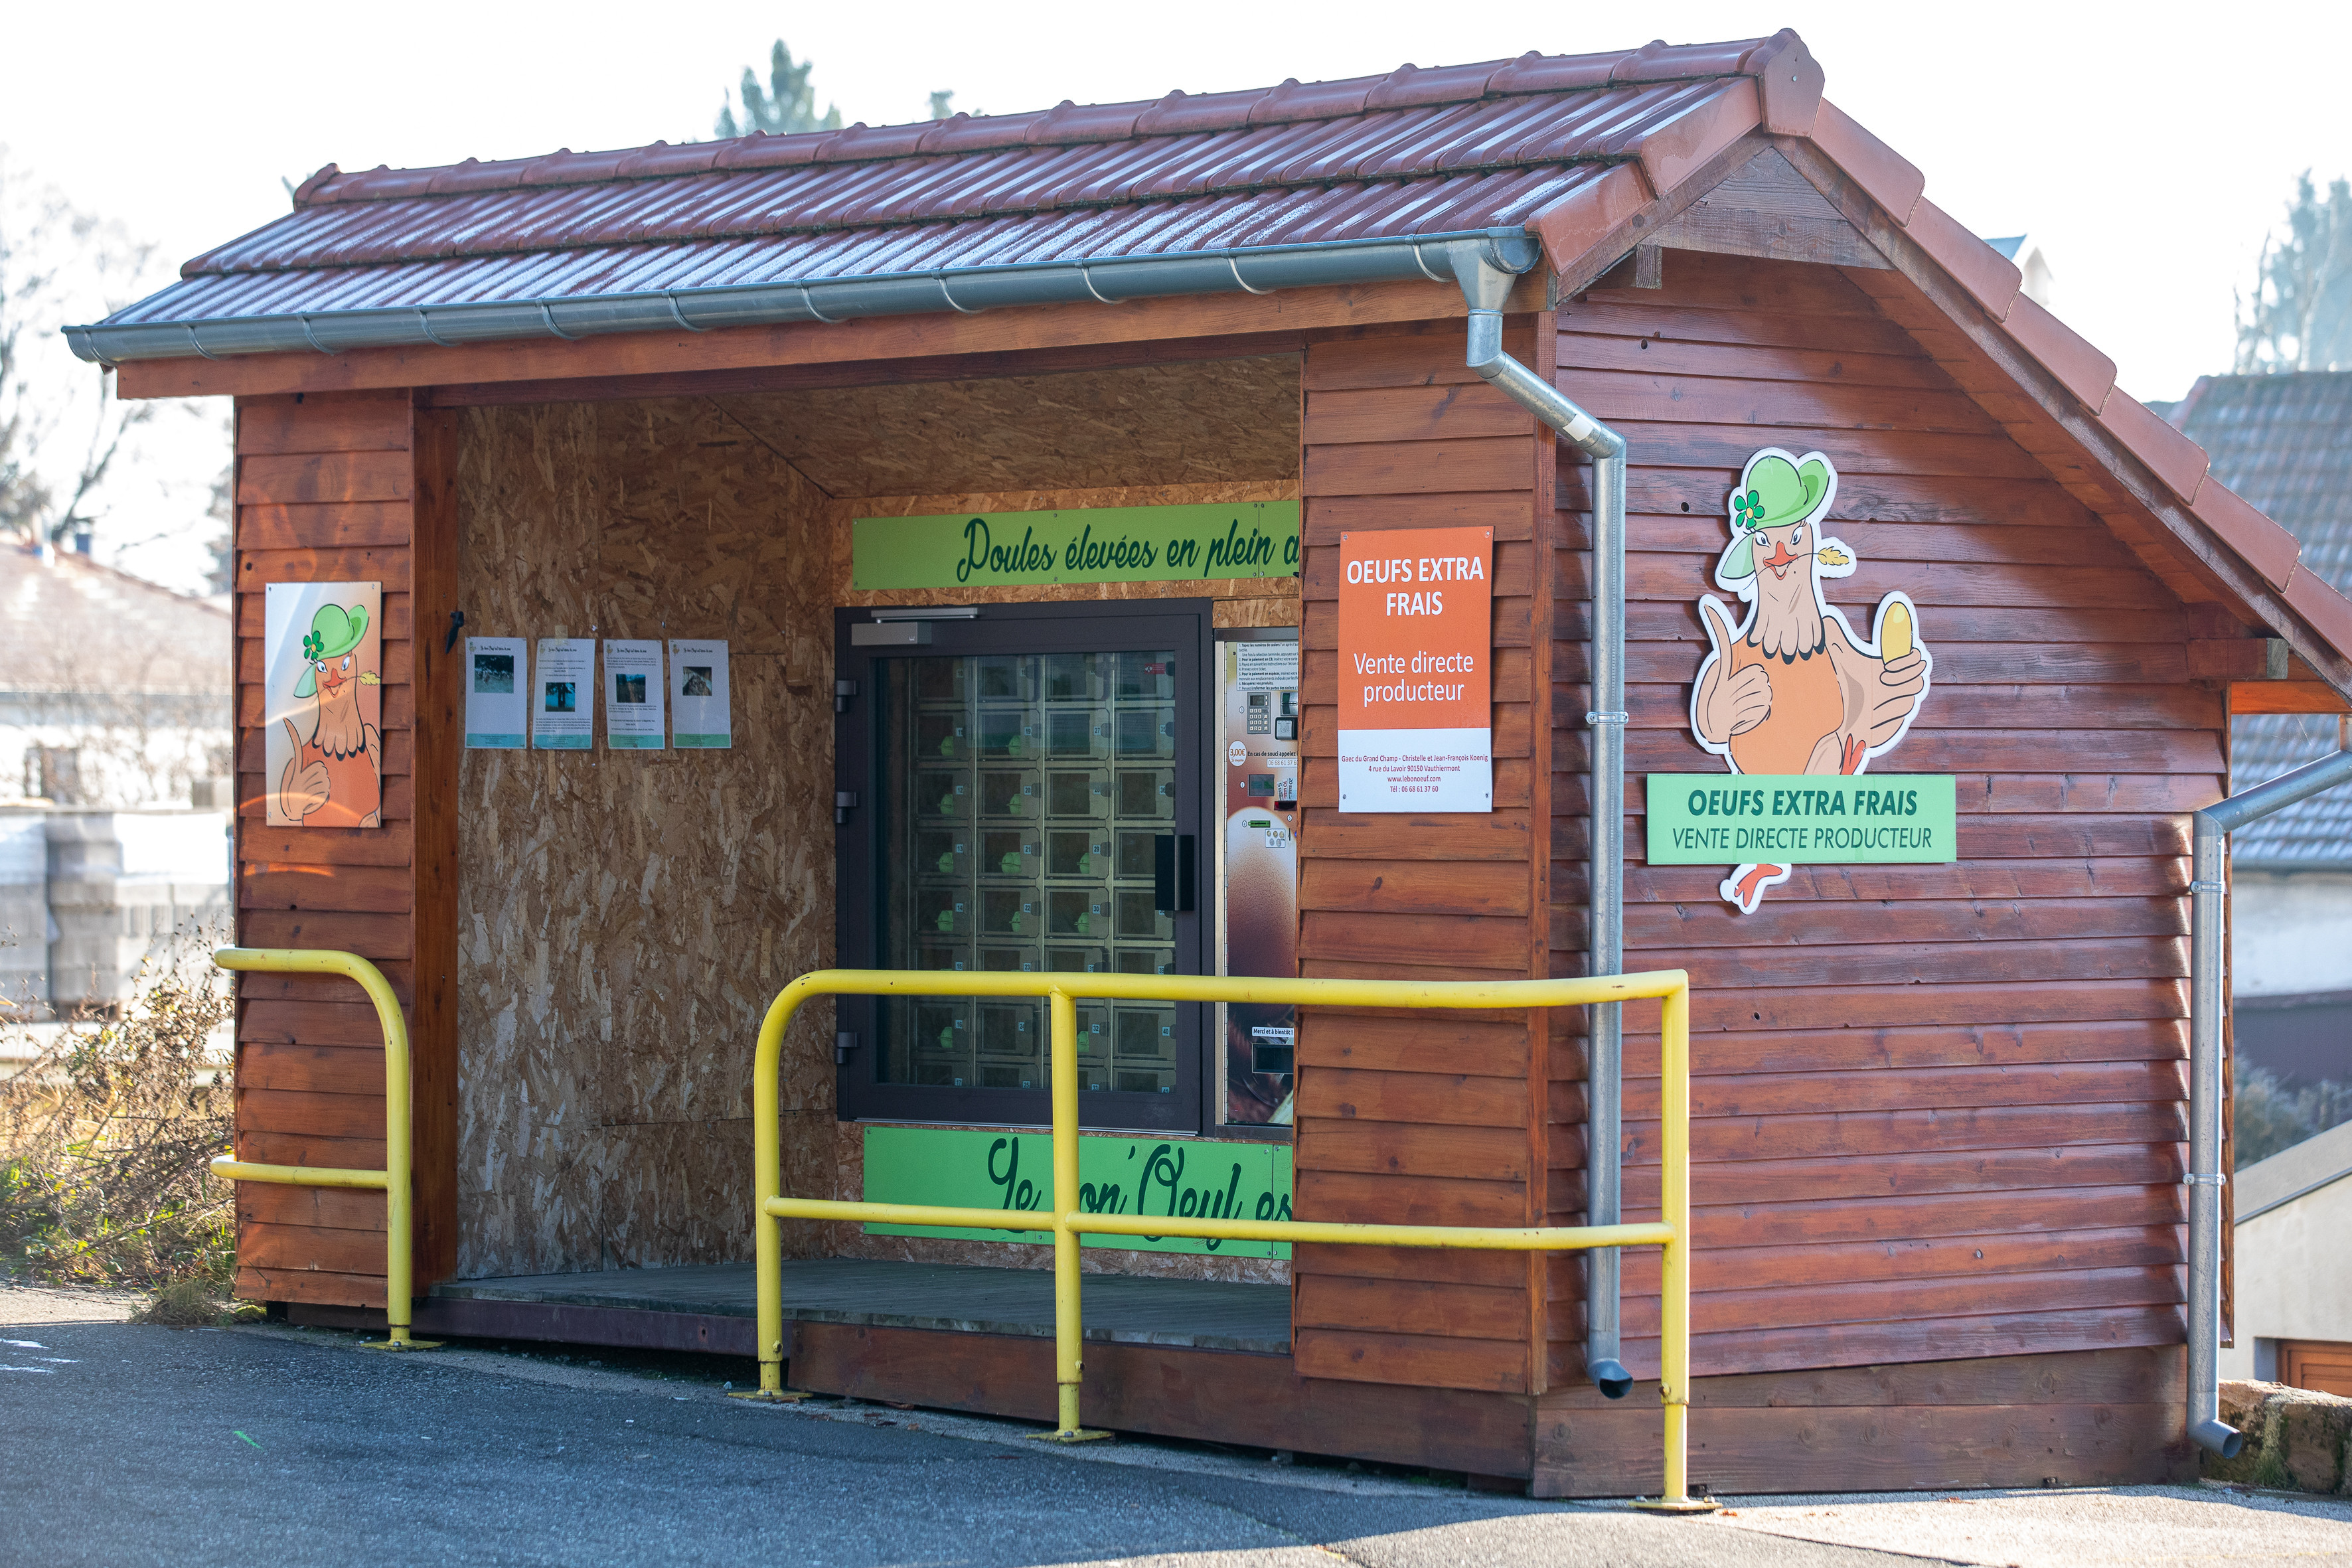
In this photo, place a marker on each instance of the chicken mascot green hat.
(334, 632)
(1777, 489)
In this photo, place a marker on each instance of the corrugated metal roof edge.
(1107, 281)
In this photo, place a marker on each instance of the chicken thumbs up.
(1729, 703)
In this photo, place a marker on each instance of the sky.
(2149, 149)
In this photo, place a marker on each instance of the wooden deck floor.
(1194, 1313)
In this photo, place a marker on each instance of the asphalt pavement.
(128, 1444)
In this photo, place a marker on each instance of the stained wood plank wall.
(1426, 1119)
(1939, 1109)
(335, 489)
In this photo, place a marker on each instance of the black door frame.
(1185, 626)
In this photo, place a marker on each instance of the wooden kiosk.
(727, 394)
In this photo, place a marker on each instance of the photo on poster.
(560, 720)
(633, 695)
(322, 726)
(703, 720)
(498, 693)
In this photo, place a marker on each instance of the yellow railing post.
(1673, 1338)
(396, 1181)
(767, 1184)
(1069, 1323)
(1068, 1223)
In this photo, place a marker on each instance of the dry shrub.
(105, 1138)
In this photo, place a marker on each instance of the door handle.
(1172, 878)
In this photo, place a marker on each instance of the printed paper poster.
(322, 726)
(701, 717)
(498, 693)
(563, 686)
(1791, 689)
(1416, 638)
(633, 695)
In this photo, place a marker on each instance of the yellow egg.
(1894, 633)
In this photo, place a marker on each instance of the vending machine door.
(1258, 818)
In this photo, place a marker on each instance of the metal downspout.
(2207, 1005)
(1485, 277)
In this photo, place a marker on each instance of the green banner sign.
(1103, 545)
(1719, 819)
(1150, 1174)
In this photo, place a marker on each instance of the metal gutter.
(1486, 272)
(2207, 1005)
(1108, 280)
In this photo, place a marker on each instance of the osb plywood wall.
(626, 920)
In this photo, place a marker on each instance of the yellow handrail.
(1069, 1223)
(393, 1180)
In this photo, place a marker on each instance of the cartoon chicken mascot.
(335, 778)
(1791, 689)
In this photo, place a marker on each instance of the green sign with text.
(1713, 819)
(1096, 545)
(989, 1169)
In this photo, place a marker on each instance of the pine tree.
(787, 105)
(2301, 314)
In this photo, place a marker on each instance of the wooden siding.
(1940, 1109)
(329, 489)
(1423, 1119)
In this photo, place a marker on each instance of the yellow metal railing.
(1069, 1223)
(392, 1181)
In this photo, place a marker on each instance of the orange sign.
(1416, 641)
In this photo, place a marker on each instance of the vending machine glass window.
(1026, 770)
(1257, 869)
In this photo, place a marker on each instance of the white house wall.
(2290, 934)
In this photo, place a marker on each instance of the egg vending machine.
(1257, 866)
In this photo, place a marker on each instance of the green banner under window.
(1716, 819)
(1099, 544)
(996, 1169)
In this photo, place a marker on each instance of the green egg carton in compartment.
(941, 737)
(943, 852)
(943, 911)
(1077, 852)
(1007, 792)
(943, 794)
(1015, 912)
(1010, 852)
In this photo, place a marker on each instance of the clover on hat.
(1775, 489)
(334, 632)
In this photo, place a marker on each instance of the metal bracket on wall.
(843, 802)
(843, 690)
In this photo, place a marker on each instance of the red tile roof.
(1414, 153)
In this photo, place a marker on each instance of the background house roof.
(2285, 443)
(70, 625)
